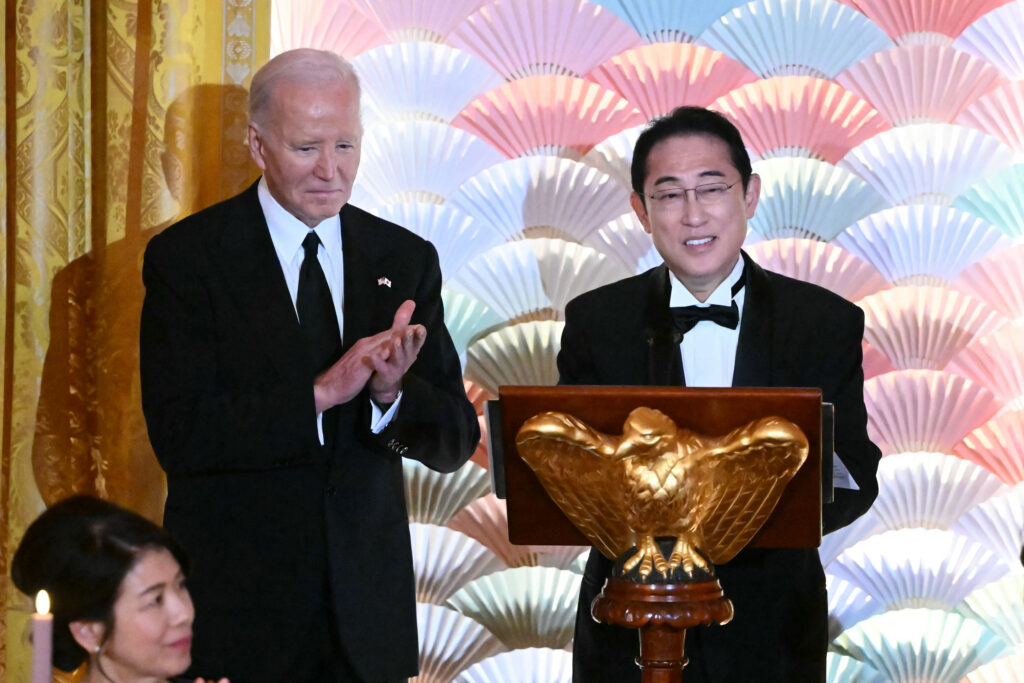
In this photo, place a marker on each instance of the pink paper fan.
(998, 280)
(823, 264)
(998, 446)
(532, 37)
(916, 21)
(477, 395)
(875, 362)
(997, 362)
(935, 83)
(323, 24)
(800, 116)
(548, 115)
(924, 410)
(922, 328)
(414, 20)
(658, 78)
(999, 113)
(486, 521)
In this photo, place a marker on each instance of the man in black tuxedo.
(293, 351)
(694, 192)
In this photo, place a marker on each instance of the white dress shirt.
(287, 233)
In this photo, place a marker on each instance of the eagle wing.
(576, 464)
(737, 480)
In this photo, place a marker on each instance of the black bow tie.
(688, 316)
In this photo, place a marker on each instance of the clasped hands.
(378, 362)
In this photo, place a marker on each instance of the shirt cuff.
(380, 419)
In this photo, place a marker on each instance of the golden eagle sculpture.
(710, 494)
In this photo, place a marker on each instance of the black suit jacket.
(275, 522)
(793, 334)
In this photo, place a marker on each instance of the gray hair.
(305, 66)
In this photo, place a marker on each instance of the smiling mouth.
(699, 242)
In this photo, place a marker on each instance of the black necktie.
(726, 316)
(317, 317)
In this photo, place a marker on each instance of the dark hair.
(79, 551)
(688, 121)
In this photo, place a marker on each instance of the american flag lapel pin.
(383, 281)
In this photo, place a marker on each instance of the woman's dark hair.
(79, 551)
(683, 121)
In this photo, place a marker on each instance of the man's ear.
(255, 145)
(637, 202)
(88, 634)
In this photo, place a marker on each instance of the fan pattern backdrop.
(890, 138)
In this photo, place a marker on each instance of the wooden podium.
(661, 612)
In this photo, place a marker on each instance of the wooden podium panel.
(534, 519)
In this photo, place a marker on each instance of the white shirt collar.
(722, 295)
(287, 231)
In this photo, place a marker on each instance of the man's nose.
(325, 165)
(693, 213)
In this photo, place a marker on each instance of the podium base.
(662, 613)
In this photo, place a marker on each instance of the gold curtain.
(119, 117)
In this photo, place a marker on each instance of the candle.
(42, 639)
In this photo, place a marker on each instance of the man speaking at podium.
(711, 317)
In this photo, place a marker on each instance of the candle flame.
(42, 602)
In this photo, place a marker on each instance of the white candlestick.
(42, 640)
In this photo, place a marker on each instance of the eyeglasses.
(673, 197)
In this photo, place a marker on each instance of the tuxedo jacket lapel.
(663, 361)
(753, 350)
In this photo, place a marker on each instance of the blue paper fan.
(1000, 606)
(922, 245)
(913, 645)
(995, 37)
(927, 163)
(833, 544)
(466, 317)
(420, 161)
(998, 199)
(843, 669)
(847, 604)
(420, 81)
(809, 199)
(816, 38)
(457, 236)
(542, 197)
(998, 523)
(670, 21)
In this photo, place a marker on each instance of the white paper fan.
(809, 199)
(520, 354)
(658, 78)
(927, 163)
(446, 560)
(800, 116)
(924, 410)
(420, 161)
(623, 239)
(449, 643)
(823, 264)
(432, 497)
(920, 83)
(922, 245)
(414, 20)
(322, 24)
(614, 155)
(998, 280)
(995, 37)
(998, 199)
(457, 236)
(918, 568)
(922, 328)
(523, 607)
(997, 361)
(930, 490)
(542, 196)
(523, 38)
(834, 543)
(999, 113)
(843, 669)
(548, 115)
(847, 604)
(1006, 669)
(998, 523)
(670, 21)
(426, 81)
(998, 446)
(925, 21)
(466, 317)
(813, 38)
(529, 665)
(913, 645)
(1000, 606)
